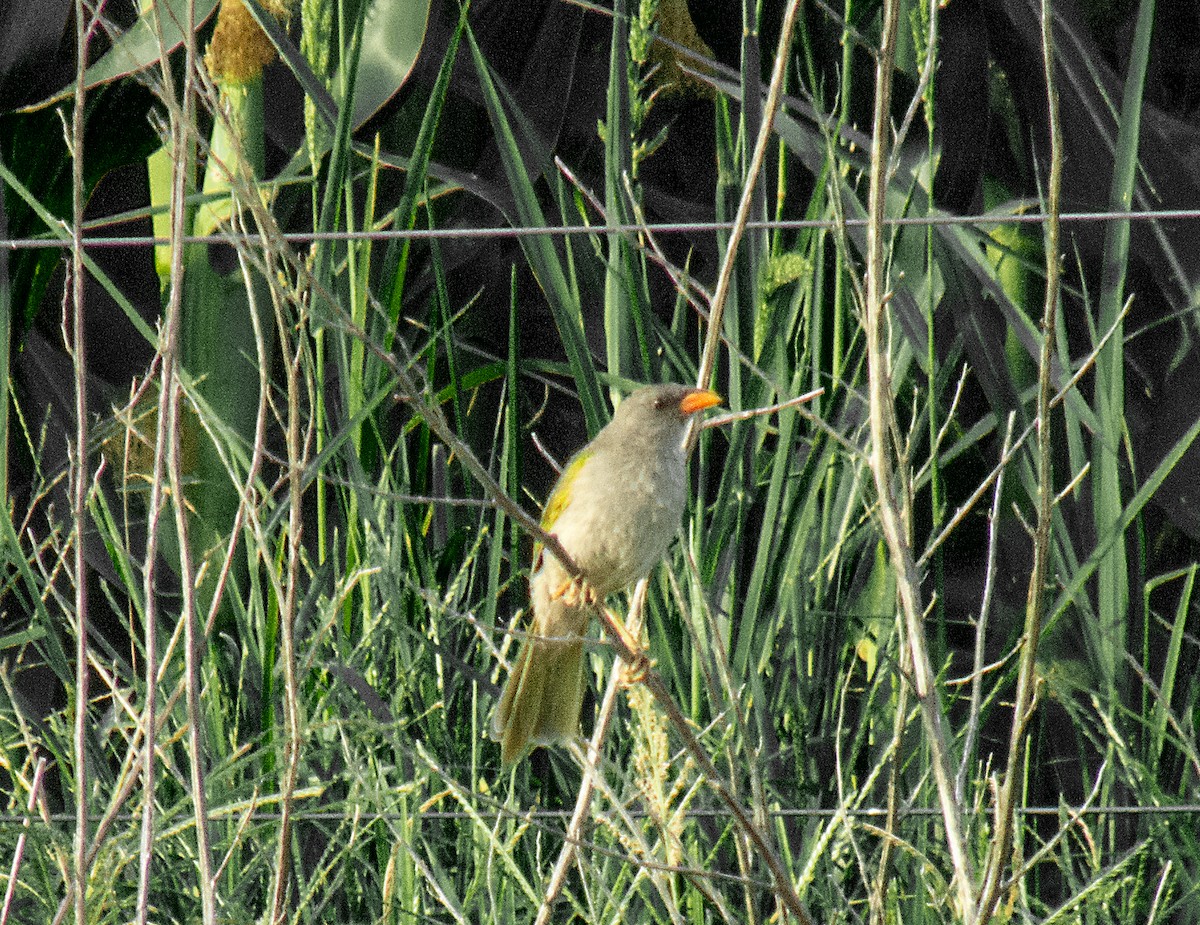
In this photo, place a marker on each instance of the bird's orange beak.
(699, 400)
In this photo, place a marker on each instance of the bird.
(615, 509)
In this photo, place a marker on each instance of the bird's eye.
(660, 403)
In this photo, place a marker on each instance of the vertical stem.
(1036, 595)
(937, 503)
(287, 617)
(19, 852)
(79, 470)
(724, 279)
(882, 423)
(183, 117)
(168, 352)
(150, 631)
(191, 655)
(192, 636)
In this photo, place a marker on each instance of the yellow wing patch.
(560, 497)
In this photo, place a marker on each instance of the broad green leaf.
(138, 47)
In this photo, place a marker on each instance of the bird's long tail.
(542, 698)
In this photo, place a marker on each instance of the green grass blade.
(541, 252)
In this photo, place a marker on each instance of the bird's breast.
(617, 527)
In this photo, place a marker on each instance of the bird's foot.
(635, 672)
(576, 592)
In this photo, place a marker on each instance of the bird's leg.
(574, 592)
(635, 672)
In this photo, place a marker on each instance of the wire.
(416, 234)
(919, 812)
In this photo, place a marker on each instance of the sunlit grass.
(357, 578)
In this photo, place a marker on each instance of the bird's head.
(661, 410)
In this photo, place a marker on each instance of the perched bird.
(615, 509)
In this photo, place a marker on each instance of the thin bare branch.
(884, 447)
(985, 607)
(725, 277)
(1035, 605)
(19, 852)
(79, 479)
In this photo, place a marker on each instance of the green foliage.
(356, 579)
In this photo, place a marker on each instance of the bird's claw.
(635, 672)
(574, 592)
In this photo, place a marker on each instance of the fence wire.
(563, 815)
(992, 219)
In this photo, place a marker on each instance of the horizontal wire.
(1177, 809)
(388, 234)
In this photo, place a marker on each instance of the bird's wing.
(560, 496)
